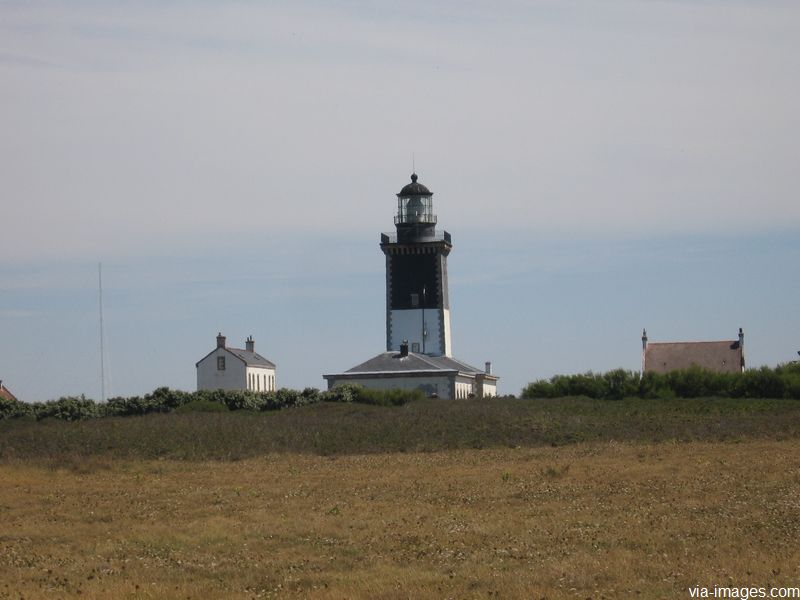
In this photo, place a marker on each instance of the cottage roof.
(723, 356)
(251, 359)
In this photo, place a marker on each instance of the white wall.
(407, 325)
(464, 387)
(232, 378)
(448, 342)
(260, 379)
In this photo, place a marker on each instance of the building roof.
(723, 357)
(251, 359)
(6, 393)
(395, 363)
(414, 188)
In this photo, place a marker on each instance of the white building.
(227, 368)
(418, 335)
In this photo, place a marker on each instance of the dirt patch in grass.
(589, 520)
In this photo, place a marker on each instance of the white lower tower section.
(426, 331)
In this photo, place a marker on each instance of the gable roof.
(250, 359)
(394, 363)
(722, 357)
(6, 393)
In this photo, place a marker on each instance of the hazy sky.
(603, 166)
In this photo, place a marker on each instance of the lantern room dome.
(414, 188)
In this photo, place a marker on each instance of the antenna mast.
(102, 341)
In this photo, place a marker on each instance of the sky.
(602, 166)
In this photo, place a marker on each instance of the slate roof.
(722, 357)
(393, 362)
(251, 359)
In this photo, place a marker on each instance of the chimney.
(250, 344)
(404, 349)
(644, 350)
(741, 346)
(488, 367)
(220, 340)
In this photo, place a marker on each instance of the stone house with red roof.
(726, 356)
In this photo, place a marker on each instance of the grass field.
(517, 500)
(431, 425)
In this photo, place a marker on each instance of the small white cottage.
(227, 368)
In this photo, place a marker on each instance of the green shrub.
(243, 400)
(395, 397)
(539, 389)
(201, 405)
(615, 385)
(620, 384)
(164, 399)
(763, 383)
(68, 408)
(14, 409)
(345, 392)
(694, 382)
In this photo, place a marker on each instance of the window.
(220, 363)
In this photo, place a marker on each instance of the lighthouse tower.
(417, 304)
(418, 355)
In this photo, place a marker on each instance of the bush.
(620, 384)
(394, 397)
(243, 400)
(763, 383)
(614, 385)
(202, 405)
(346, 392)
(68, 408)
(350, 392)
(164, 399)
(780, 382)
(14, 409)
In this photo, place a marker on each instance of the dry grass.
(585, 521)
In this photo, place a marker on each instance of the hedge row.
(780, 382)
(163, 400)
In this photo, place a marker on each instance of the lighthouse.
(417, 303)
(418, 351)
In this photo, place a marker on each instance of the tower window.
(220, 363)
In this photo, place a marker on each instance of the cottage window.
(220, 363)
